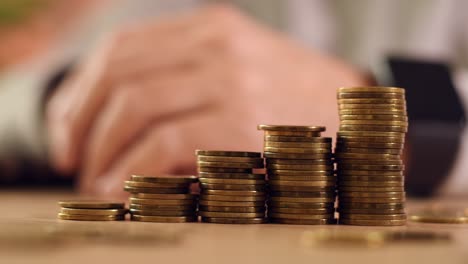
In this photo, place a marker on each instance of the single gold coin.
(316, 194)
(232, 181)
(91, 217)
(345, 173)
(233, 193)
(373, 128)
(91, 204)
(242, 165)
(320, 211)
(371, 167)
(370, 184)
(297, 145)
(366, 162)
(371, 178)
(364, 205)
(234, 221)
(401, 118)
(285, 139)
(146, 207)
(275, 155)
(400, 112)
(301, 216)
(298, 150)
(282, 188)
(170, 179)
(301, 205)
(370, 139)
(164, 196)
(292, 133)
(302, 199)
(303, 221)
(368, 134)
(346, 194)
(161, 202)
(156, 190)
(301, 178)
(238, 187)
(367, 156)
(401, 107)
(372, 101)
(230, 204)
(341, 144)
(345, 95)
(371, 89)
(340, 149)
(313, 167)
(375, 122)
(291, 128)
(300, 172)
(137, 184)
(244, 176)
(361, 222)
(105, 212)
(223, 170)
(163, 219)
(227, 198)
(233, 209)
(231, 215)
(228, 153)
(162, 213)
(371, 211)
(371, 189)
(373, 216)
(303, 183)
(299, 162)
(373, 199)
(229, 159)
(439, 218)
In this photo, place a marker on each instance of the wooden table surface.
(29, 228)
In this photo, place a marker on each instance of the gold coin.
(345, 95)
(373, 216)
(231, 215)
(346, 173)
(292, 128)
(303, 221)
(313, 167)
(371, 89)
(300, 173)
(401, 118)
(229, 159)
(171, 179)
(439, 219)
(233, 193)
(367, 156)
(301, 216)
(105, 212)
(301, 205)
(371, 211)
(190, 207)
(282, 188)
(301, 178)
(156, 190)
(377, 101)
(91, 217)
(346, 144)
(228, 153)
(372, 222)
(345, 194)
(238, 187)
(164, 196)
(223, 170)
(163, 219)
(245, 176)
(292, 133)
(297, 145)
(371, 189)
(161, 202)
(162, 213)
(298, 150)
(303, 183)
(370, 183)
(370, 139)
(299, 162)
(368, 134)
(91, 204)
(366, 162)
(400, 107)
(231, 204)
(242, 165)
(234, 221)
(363, 205)
(275, 155)
(302, 199)
(234, 209)
(375, 123)
(227, 198)
(231, 181)
(373, 200)
(137, 184)
(316, 194)
(374, 128)
(400, 112)
(297, 139)
(371, 178)
(368, 150)
(281, 210)
(371, 167)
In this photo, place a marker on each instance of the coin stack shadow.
(231, 193)
(83, 210)
(373, 123)
(300, 175)
(164, 199)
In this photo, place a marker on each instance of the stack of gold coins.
(87, 210)
(373, 123)
(300, 175)
(164, 199)
(231, 193)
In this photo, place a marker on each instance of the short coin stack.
(230, 192)
(164, 199)
(300, 175)
(87, 210)
(373, 123)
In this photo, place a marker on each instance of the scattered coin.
(91, 204)
(91, 217)
(92, 212)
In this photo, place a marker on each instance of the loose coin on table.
(90, 210)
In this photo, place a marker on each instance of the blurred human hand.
(153, 93)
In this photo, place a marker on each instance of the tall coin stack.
(373, 123)
(300, 175)
(231, 193)
(164, 199)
